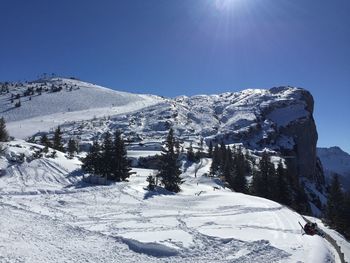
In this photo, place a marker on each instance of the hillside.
(48, 214)
(279, 119)
(335, 161)
(50, 102)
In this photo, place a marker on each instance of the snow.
(87, 110)
(283, 116)
(77, 101)
(49, 214)
(341, 241)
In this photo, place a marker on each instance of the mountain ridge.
(280, 119)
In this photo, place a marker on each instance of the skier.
(310, 228)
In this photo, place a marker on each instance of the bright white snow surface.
(341, 241)
(49, 215)
(77, 100)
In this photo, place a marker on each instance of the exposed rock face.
(305, 136)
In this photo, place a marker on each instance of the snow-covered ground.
(49, 215)
(341, 241)
(77, 101)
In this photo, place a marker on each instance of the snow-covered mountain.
(335, 161)
(49, 214)
(279, 119)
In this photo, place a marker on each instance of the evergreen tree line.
(57, 143)
(337, 214)
(231, 165)
(277, 184)
(108, 159)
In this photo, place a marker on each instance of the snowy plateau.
(48, 213)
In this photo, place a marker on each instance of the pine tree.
(107, 157)
(151, 183)
(92, 161)
(282, 187)
(263, 177)
(72, 147)
(240, 181)
(170, 170)
(4, 136)
(335, 205)
(222, 157)
(190, 154)
(264, 165)
(120, 164)
(210, 149)
(214, 168)
(301, 201)
(228, 171)
(57, 140)
(45, 141)
(256, 184)
(346, 230)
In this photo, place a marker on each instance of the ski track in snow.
(48, 215)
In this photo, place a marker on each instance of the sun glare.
(225, 4)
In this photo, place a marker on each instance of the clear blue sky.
(175, 47)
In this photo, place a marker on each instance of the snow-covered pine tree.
(170, 169)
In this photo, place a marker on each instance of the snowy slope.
(255, 115)
(335, 161)
(49, 215)
(74, 96)
(77, 100)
